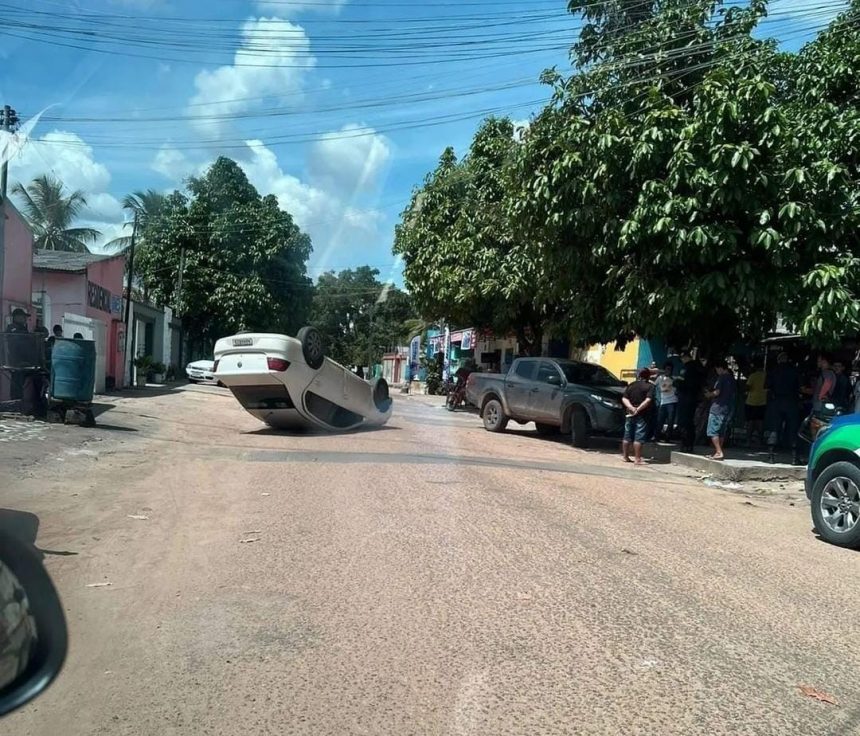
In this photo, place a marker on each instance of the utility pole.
(370, 340)
(129, 332)
(178, 300)
(8, 123)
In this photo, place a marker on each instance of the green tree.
(360, 316)
(143, 206)
(244, 258)
(462, 261)
(677, 191)
(51, 213)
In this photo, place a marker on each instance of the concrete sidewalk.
(742, 464)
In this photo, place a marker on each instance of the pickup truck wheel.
(494, 416)
(836, 504)
(546, 429)
(579, 427)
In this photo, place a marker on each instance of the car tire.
(546, 429)
(494, 416)
(579, 433)
(191, 380)
(313, 349)
(836, 504)
(381, 394)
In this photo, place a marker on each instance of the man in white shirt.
(668, 402)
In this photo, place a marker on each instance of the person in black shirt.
(689, 385)
(783, 391)
(638, 400)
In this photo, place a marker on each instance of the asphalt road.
(427, 578)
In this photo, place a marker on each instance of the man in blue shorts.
(722, 408)
(638, 400)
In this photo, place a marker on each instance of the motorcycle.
(817, 420)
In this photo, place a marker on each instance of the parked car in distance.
(201, 371)
(577, 398)
(287, 382)
(833, 481)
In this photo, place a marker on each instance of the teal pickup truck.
(833, 482)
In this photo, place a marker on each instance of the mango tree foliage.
(822, 205)
(360, 317)
(244, 258)
(680, 185)
(462, 262)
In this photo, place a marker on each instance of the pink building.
(83, 293)
(17, 274)
(18, 266)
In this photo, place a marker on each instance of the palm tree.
(51, 213)
(144, 206)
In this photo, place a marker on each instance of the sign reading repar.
(98, 297)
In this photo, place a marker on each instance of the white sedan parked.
(201, 371)
(287, 382)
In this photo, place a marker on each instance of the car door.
(546, 396)
(518, 385)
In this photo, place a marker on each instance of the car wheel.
(579, 427)
(546, 429)
(836, 504)
(191, 380)
(312, 346)
(494, 416)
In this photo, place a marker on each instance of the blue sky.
(338, 107)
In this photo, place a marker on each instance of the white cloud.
(66, 156)
(350, 161)
(70, 159)
(172, 163)
(280, 7)
(272, 62)
(331, 222)
(521, 127)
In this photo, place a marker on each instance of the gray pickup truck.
(557, 395)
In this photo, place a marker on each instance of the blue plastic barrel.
(73, 370)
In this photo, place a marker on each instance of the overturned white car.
(288, 383)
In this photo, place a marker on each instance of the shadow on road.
(655, 453)
(314, 431)
(25, 526)
(406, 458)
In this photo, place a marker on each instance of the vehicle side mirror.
(33, 634)
(553, 379)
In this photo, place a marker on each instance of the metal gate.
(90, 329)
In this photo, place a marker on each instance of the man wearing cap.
(19, 321)
(783, 390)
(638, 400)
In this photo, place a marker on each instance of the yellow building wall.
(615, 361)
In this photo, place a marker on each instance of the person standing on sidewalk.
(638, 400)
(783, 392)
(756, 402)
(668, 402)
(722, 407)
(688, 387)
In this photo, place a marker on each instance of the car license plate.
(242, 342)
